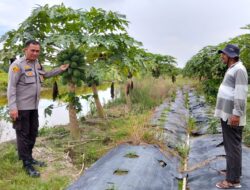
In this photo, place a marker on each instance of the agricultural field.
(129, 117)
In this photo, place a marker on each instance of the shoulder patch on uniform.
(15, 69)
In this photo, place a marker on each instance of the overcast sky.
(173, 27)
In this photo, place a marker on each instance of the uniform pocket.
(30, 77)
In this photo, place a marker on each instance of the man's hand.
(14, 114)
(234, 120)
(64, 67)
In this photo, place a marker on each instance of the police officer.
(24, 85)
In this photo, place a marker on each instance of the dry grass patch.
(58, 163)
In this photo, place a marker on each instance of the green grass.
(186, 100)
(111, 187)
(22, 182)
(3, 81)
(131, 155)
(173, 96)
(164, 117)
(121, 172)
(183, 150)
(12, 176)
(246, 132)
(180, 184)
(150, 92)
(191, 125)
(213, 123)
(3, 76)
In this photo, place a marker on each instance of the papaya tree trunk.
(127, 95)
(112, 90)
(74, 126)
(98, 104)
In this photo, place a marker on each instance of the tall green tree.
(58, 26)
(207, 66)
(163, 65)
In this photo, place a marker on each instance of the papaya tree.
(111, 49)
(92, 79)
(48, 25)
(54, 27)
(158, 64)
(208, 68)
(104, 29)
(163, 65)
(58, 26)
(127, 60)
(206, 64)
(243, 41)
(73, 77)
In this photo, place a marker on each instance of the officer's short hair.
(27, 43)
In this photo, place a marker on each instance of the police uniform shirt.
(24, 84)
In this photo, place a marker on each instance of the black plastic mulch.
(207, 155)
(205, 177)
(175, 125)
(150, 169)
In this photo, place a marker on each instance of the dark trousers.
(232, 138)
(26, 127)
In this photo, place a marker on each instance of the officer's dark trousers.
(232, 138)
(26, 127)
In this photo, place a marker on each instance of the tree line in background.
(208, 68)
(96, 45)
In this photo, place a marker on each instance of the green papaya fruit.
(73, 65)
(66, 62)
(81, 60)
(75, 58)
(70, 71)
(76, 73)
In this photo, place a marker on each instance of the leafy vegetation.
(3, 81)
(131, 155)
(162, 65)
(100, 41)
(183, 151)
(213, 124)
(246, 131)
(67, 158)
(191, 125)
(208, 68)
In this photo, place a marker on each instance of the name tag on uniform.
(27, 68)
